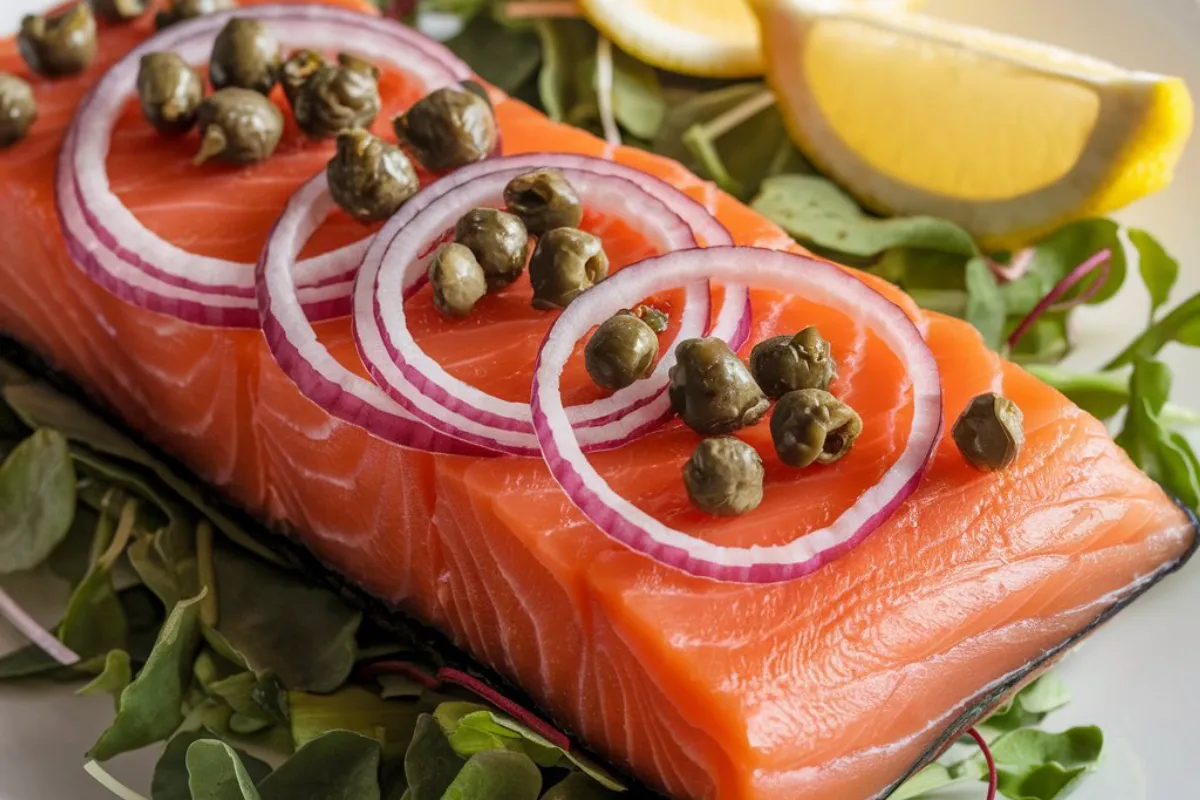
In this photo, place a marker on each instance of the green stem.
(209, 610)
(121, 539)
(1156, 336)
(752, 107)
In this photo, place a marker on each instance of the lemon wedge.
(708, 38)
(1008, 138)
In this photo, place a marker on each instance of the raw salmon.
(833, 686)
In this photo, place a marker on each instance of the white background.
(1139, 677)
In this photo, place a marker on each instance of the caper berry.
(784, 364)
(337, 98)
(59, 45)
(499, 242)
(187, 9)
(811, 426)
(170, 92)
(297, 69)
(621, 351)
(245, 55)
(448, 128)
(565, 263)
(457, 279)
(990, 432)
(119, 10)
(724, 477)
(656, 319)
(711, 389)
(544, 200)
(238, 126)
(18, 109)
(370, 178)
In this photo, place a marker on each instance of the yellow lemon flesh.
(1007, 137)
(709, 38)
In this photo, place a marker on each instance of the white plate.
(1136, 678)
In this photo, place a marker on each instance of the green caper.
(621, 351)
(724, 477)
(59, 45)
(369, 178)
(119, 10)
(238, 126)
(784, 364)
(187, 9)
(711, 389)
(990, 432)
(457, 279)
(566, 263)
(18, 109)
(499, 242)
(170, 92)
(811, 426)
(656, 319)
(297, 69)
(245, 55)
(448, 128)
(545, 200)
(337, 98)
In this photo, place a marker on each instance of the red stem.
(406, 668)
(520, 714)
(993, 777)
(1101, 260)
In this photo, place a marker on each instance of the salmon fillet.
(833, 686)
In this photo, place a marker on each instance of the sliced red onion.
(1101, 262)
(397, 262)
(816, 280)
(120, 253)
(35, 633)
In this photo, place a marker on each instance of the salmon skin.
(835, 686)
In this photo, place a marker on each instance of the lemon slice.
(709, 38)
(1007, 137)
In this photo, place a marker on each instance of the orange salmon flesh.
(832, 686)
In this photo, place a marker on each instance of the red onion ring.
(125, 257)
(1101, 261)
(398, 260)
(35, 633)
(772, 269)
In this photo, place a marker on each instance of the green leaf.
(1068, 247)
(170, 780)
(37, 500)
(638, 102)
(27, 662)
(578, 786)
(566, 45)
(1047, 341)
(932, 778)
(215, 772)
(1161, 453)
(1038, 765)
(495, 774)
(117, 674)
(238, 691)
(504, 56)
(150, 708)
(1159, 270)
(1101, 394)
(985, 305)
(399, 687)
(94, 622)
(1043, 782)
(283, 625)
(430, 763)
(72, 559)
(339, 766)
(815, 210)
(356, 709)
(1181, 325)
(1029, 707)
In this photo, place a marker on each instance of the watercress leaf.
(1047, 693)
(504, 56)
(237, 691)
(494, 774)
(932, 778)
(578, 786)
(94, 622)
(393, 784)
(1039, 765)
(1071, 245)
(117, 674)
(1182, 324)
(283, 625)
(1043, 782)
(144, 617)
(985, 306)
(1101, 394)
(815, 210)
(216, 773)
(72, 558)
(150, 708)
(37, 500)
(338, 766)
(638, 102)
(356, 709)
(463, 9)
(1047, 341)
(399, 687)
(170, 781)
(566, 45)
(1162, 454)
(430, 763)
(1159, 270)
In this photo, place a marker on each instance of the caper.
(448, 128)
(711, 389)
(656, 319)
(724, 477)
(621, 351)
(369, 178)
(170, 92)
(565, 263)
(297, 69)
(545, 200)
(499, 242)
(18, 109)
(337, 98)
(59, 45)
(990, 432)
(119, 10)
(811, 426)
(245, 55)
(238, 126)
(187, 9)
(784, 364)
(457, 279)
